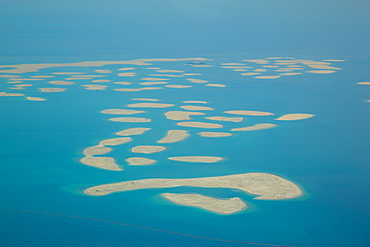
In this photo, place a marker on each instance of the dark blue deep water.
(42, 181)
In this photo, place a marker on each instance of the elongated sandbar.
(200, 125)
(121, 111)
(229, 119)
(147, 149)
(61, 82)
(220, 206)
(52, 90)
(11, 94)
(195, 101)
(150, 105)
(249, 113)
(106, 163)
(177, 86)
(174, 136)
(197, 159)
(214, 134)
(115, 141)
(196, 108)
(364, 83)
(130, 120)
(295, 116)
(169, 71)
(138, 161)
(255, 127)
(153, 83)
(128, 74)
(154, 79)
(94, 87)
(145, 99)
(103, 71)
(197, 80)
(98, 81)
(181, 115)
(132, 131)
(266, 186)
(321, 71)
(166, 75)
(268, 77)
(36, 99)
(215, 85)
(123, 82)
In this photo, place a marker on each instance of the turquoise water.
(327, 156)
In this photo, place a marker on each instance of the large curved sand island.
(266, 186)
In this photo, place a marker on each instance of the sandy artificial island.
(132, 131)
(106, 163)
(229, 119)
(121, 111)
(181, 115)
(146, 149)
(197, 159)
(266, 186)
(150, 105)
(220, 206)
(35, 99)
(138, 161)
(130, 120)
(214, 134)
(249, 113)
(255, 127)
(295, 116)
(200, 125)
(196, 108)
(174, 136)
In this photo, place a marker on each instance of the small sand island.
(196, 108)
(150, 105)
(61, 82)
(219, 206)
(229, 119)
(52, 90)
(106, 163)
(174, 136)
(295, 116)
(197, 159)
(146, 149)
(121, 111)
(200, 125)
(249, 113)
(130, 120)
(181, 115)
(138, 161)
(214, 134)
(266, 186)
(35, 99)
(255, 127)
(132, 131)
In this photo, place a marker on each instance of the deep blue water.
(327, 156)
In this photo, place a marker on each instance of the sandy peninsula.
(115, 141)
(196, 108)
(150, 105)
(121, 111)
(219, 206)
(52, 90)
(61, 82)
(249, 113)
(214, 134)
(197, 159)
(228, 119)
(290, 73)
(132, 131)
(295, 116)
(255, 127)
(147, 149)
(174, 136)
(35, 99)
(130, 120)
(138, 161)
(181, 115)
(200, 125)
(266, 186)
(106, 163)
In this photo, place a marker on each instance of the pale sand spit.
(150, 105)
(130, 120)
(121, 111)
(249, 113)
(321, 71)
(94, 87)
(197, 159)
(215, 205)
(196, 108)
(10, 94)
(67, 73)
(181, 115)
(128, 74)
(96, 150)
(214, 134)
(97, 81)
(153, 83)
(123, 82)
(166, 75)
(196, 80)
(106, 163)
(115, 141)
(177, 86)
(295, 116)
(126, 68)
(229, 119)
(249, 74)
(138, 161)
(215, 85)
(52, 90)
(195, 101)
(255, 127)
(154, 79)
(103, 71)
(132, 131)
(61, 82)
(268, 77)
(145, 99)
(35, 99)
(174, 136)
(232, 64)
(147, 149)
(266, 186)
(364, 83)
(169, 71)
(200, 125)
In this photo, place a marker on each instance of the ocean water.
(327, 156)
